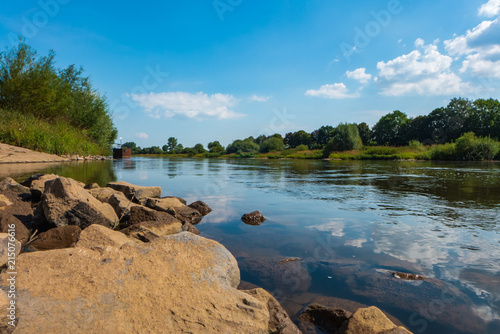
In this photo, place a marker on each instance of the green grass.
(56, 137)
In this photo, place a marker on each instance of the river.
(350, 224)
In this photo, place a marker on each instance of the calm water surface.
(351, 224)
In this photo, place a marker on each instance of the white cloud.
(360, 75)
(490, 9)
(335, 91)
(418, 73)
(142, 135)
(258, 98)
(481, 48)
(196, 106)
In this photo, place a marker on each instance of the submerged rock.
(326, 319)
(177, 284)
(253, 218)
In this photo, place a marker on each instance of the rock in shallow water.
(253, 218)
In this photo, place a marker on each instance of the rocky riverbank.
(82, 258)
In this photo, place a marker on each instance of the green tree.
(272, 144)
(365, 133)
(33, 85)
(215, 147)
(171, 144)
(129, 144)
(322, 136)
(388, 130)
(345, 137)
(198, 148)
(295, 139)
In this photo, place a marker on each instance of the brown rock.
(201, 207)
(178, 284)
(134, 192)
(18, 213)
(91, 186)
(98, 236)
(38, 185)
(57, 238)
(9, 184)
(326, 319)
(186, 214)
(253, 218)
(279, 321)
(186, 226)
(29, 180)
(151, 230)
(120, 203)
(163, 204)
(4, 319)
(140, 214)
(8, 247)
(65, 202)
(369, 320)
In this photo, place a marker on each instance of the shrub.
(415, 145)
(472, 148)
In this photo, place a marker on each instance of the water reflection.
(347, 220)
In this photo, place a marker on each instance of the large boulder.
(178, 284)
(279, 321)
(370, 320)
(9, 248)
(9, 184)
(98, 236)
(65, 202)
(57, 238)
(134, 192)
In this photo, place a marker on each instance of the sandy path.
(14, 154)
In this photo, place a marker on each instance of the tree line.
(461, 117)
(32, 85)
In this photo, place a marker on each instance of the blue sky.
(227, 69)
